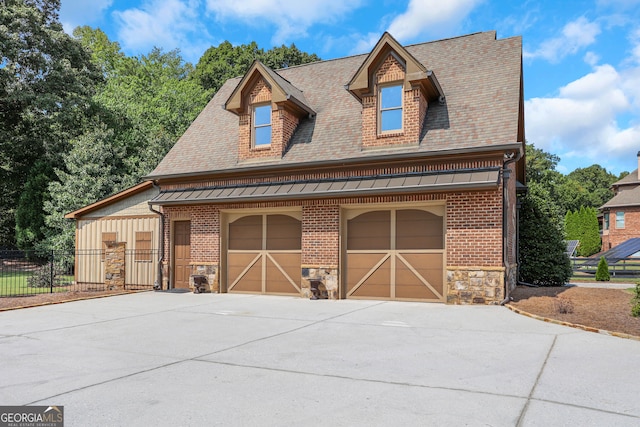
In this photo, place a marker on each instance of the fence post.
(51, 273)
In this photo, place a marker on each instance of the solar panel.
(623, 250)
(572, 245)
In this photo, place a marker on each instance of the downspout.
(158, 285)
(506, 172)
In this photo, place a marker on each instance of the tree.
(218, 64)
(46, 83)
(542, 257)
(92, 170)
(583, 225)
(602, 273)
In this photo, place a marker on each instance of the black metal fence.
(25, 273)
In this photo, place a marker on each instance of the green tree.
(543, 260)
(594, 182)
(218, 64)
(602, 273)
(46, 84)
(93, 169)
(589, 233)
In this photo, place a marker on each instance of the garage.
(395, 254)
(264, 253)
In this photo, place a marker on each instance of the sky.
(581, 58)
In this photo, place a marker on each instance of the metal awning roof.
(467, 179)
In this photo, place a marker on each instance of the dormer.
(394, 89)
(269, 110)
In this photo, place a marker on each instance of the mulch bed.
(606, 309)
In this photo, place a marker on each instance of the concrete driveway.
(171, 359)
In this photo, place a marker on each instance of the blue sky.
(581, 58)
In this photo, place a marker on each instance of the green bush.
(602, 273)
(635, 309)
(543, 260)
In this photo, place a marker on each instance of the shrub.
(602, 273)
(543, 260)
(635, 309)
(41, 277)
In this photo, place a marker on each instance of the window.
(606, 221)
(143, 246)
(390, 108)
(107, 237)
(262, 126)
(619, 219)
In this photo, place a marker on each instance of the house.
(122, 220)
(389, 175)
(621, 214)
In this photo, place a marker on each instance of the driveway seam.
(535, 384)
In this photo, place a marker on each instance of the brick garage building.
(390, 175)
(621, 214)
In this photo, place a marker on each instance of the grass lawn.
(15, 283)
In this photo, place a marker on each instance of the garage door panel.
(369, 231)
(283, 233)
(279, 282)
(418, 229)
(246, 233)
(429, 266)
(409, 286)
(376, 284)
(250, 281)
(359, 265)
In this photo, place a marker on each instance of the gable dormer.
(394, 89)
(269, 110)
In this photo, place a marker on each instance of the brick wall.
(414, 110)
(321, 236)
(631, 226)
(474, 229)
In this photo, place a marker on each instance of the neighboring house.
(621, 214)
(390, 175)
(124, 219)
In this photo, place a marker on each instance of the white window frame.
(620, 220)
(255, 127)
(381, 110)
(606, 221)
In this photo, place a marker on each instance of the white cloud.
(584, 120)
(291, 17)
(430, 17)
(167, 24)
(575, 36)
(81, 12)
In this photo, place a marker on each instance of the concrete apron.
(185, 359)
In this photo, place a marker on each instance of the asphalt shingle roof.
(629, 197)
(480, 77)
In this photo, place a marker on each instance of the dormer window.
(262, 126)
(390, 117)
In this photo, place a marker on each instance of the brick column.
(320, 249)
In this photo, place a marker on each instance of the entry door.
(395, 254)
(181, 254)
(264, 254)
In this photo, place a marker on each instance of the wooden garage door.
(395, 254)
(264, 254)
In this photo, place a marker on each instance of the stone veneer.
(475, 285)
(210, 271)
(327, 276)
(114, 265)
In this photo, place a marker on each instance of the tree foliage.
(543, 260)
(582, 225)
(46, 84)
(602, 273)
(218, 64)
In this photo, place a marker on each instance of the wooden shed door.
(264, 254)
(181, 254)
(395, 254)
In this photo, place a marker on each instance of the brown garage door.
(395, 254)
(264, 254)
